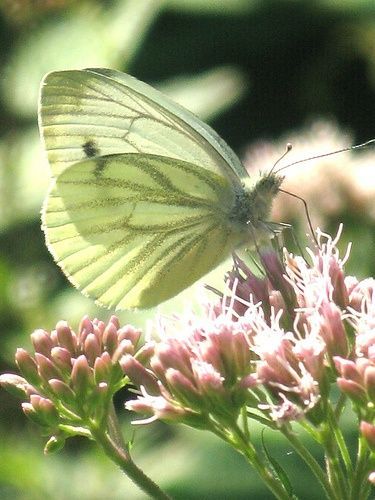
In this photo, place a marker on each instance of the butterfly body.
(145, 198)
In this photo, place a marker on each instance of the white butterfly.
(146, 198)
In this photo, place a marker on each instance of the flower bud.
(46, 368)
(82, 378)
(103, 368)
(353, 390)
(62, 391)
(145, 353)
(48, 411)
(368, 432)
(124, 347)
(16, 385)
(157, 406)
(42, 342)
(347, 369)
(183, 390)
(369, 381)
(332, 329)
(92, 348)
(138, 374)
(28, 367)
(110, 338)
(62, 359)
(66, 337)
(54, 444)
(130, 333)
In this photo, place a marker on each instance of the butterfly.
(145, 198)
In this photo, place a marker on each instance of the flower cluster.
(272, 344)
(271, 349)
(203, 373)
(69, 383)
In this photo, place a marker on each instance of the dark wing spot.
(90, 149)
(100, 164)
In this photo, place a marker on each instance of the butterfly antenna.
(214, 290)
(306, 212)
(350, 148)
(287, 150)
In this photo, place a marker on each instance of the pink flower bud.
(369, 381)
(124, 347)
(85, 326)
(130, 333)
(16, 385)
(340, 294)
(110, 338)
(113, 320)
(145, 353)
(368, 432)
(66, 337)
(46, 368)
(91, 348)
(103, 368)
(62, 359)
(27, 366)
(332, 329)
(353, 390)
(183, 390)
(158, 406)
(249, 382)
(48, 411)
(30, 412)
(347, 369)
(276, 274)
(172, 354)
(41, 410)
(62, 391)
(138, 374)
(42, 342)
(82, 378)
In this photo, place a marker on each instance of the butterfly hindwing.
(127, 231)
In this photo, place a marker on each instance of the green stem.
(121, 457)
(335, 472)
(340, 406)
(311, 462)
(361, 471)
(114, 428)
(241, 444)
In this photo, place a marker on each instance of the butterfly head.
(253, 203)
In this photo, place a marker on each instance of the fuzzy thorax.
(253, 203)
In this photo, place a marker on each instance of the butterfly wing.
(132, 230)
(96, 112)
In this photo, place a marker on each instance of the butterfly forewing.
(98, 112)
(132, 230)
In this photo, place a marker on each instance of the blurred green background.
(262, 73)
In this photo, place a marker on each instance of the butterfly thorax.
(253, 202)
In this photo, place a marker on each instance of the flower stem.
(122, 458)
(241, 444)
(311, 462)
(361, 470)
(336, 475)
